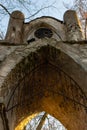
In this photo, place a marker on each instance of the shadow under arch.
(44, 85)
(48, 88)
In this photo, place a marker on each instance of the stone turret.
(15, 28)
(19, 32)
(73, 27)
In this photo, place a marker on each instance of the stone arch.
(47, 73)
(56, 26)
(47, 92)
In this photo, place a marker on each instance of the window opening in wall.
(43, 32)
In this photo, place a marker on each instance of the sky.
(56, 10)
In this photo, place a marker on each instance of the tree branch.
(40, 11)
(5, 9)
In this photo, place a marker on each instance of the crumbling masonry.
(43, 67)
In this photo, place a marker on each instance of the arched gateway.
(40, 70)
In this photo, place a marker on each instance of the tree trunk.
(42, 121)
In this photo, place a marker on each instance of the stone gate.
(43, 67)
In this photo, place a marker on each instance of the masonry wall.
(47, 74)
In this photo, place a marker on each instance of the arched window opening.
(41, 121)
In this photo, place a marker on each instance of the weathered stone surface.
(73, 27)
(25, 59)
(49, 74)
(15, 28)
(56, 26)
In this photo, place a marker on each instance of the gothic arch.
(44, 81)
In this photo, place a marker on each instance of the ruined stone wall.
(19, 32)
(44, 74)
(73, 26)
(22, 63)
